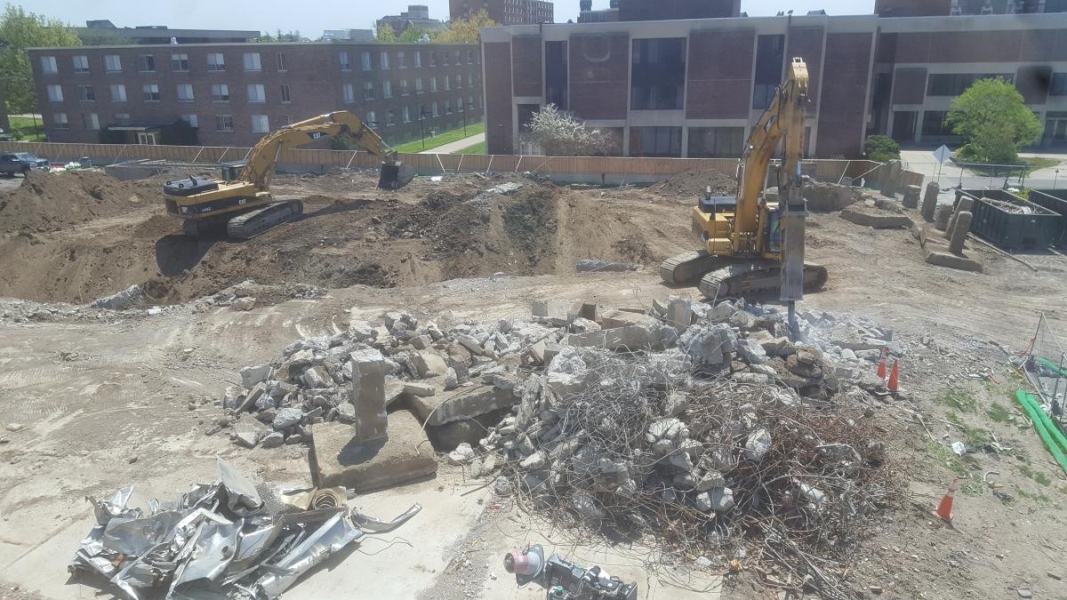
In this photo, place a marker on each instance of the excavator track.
(253, 223)
(686, 268)
(755, 278)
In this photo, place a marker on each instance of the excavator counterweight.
(245, 206)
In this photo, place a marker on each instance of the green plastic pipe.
(1052, 366)
(1039, 419)
(1052, 428)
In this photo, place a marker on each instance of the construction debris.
(229, 537)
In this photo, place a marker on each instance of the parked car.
(20, 162)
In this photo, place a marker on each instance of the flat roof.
(135, 32)
(256, 45)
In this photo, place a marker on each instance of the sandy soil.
(127, 399)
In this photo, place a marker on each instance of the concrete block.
(679, 313)
(551, 350)
(911, 196)
(368, 395)
(612, 319)
(250, 376)
(337, 459)
(944, 259)
(930, 201)
(871, 218)
(460, 404)
(588, 311)
(959, 233)
(422, 390)
(429, 364)
(539, 308)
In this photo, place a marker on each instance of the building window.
(403, 87)
(770, 54)
(147, 63)
(433, 58)
(470, 80)
(220, 92)
(281, 62)
(387, 89)
(433, 84)
(405, 114)
(401, 61)
(1058, 86)
(150, 92)
(448, 82)
(185, 92)
(48, 65)
(368, 90)
(81, 64)
(286, 98)
(191, 120)
(656, 141)
(372, 119)
(252, 63)
(390, 118)
(385, 61)
(288, 119)
(223, 123)
(434, 111)
(459, 58)
(59, 121)
(444, 55)
(118, 92)
(179, 63)
(122, 119)
(957, 83)
(349, 93)
(470, 57)
(256, 95)
(55, 93)
(345, 64)
(934, 124)
(556, 74)
(112, 63)
(86, 93)
(364, 61)
(418, 85)
(470, 102)
(260, 124)
(459, 104)
(716, 142)
(216, 62)
(418, 59)
(459, 82)
(448, 107)
(658, 74)
(91, 121)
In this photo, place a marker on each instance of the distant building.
(587, 14)
(505, 12)
(103, 31)
(348, 35)
(933, 8)
(669, 10)
(417, 16)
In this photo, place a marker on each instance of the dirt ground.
(110, 400)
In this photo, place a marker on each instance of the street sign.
(942, 154)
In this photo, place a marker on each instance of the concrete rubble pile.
(229, 539)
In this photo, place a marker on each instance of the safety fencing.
(1046, 367)
(619, 168)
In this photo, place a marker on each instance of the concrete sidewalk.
(457, 145)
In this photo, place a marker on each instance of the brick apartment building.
(505, 12)
(232, 94)
(694, 88)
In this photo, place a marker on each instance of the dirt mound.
(427, 234)
(52, 201)
(694, 184)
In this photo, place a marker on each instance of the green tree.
(881, 148)
(20, 30)
(386, 34)
(412, 35)
(994, 122)
(465, 31)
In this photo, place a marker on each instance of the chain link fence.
(1046, 367)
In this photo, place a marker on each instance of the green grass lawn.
(1032, 163)
(24, 126)
(475, 149)
(445, 137)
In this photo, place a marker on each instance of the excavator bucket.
(394, 177)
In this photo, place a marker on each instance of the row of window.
(220, 92)
(422, 111)
(370, 90)
(252, 62)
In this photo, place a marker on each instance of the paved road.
(949, 175)
(457, 145)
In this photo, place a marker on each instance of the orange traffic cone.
(944, 509)
(894, 378)
(881, 366)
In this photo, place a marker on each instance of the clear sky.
(314, 16)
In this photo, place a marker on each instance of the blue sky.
(311, 18)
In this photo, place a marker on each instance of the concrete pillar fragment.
(930, 201)
(679, 313)
(890, 178)
(959, 234)
(911, 196)
(964, 204)
(368, 396)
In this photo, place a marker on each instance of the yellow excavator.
(245, 205)
(754, 244)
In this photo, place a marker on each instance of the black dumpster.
(1056, 201)
(1011, 222)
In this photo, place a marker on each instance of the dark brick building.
(234, 93)
(505, 12)
(694, 88)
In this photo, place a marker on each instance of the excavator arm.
(784, 118)
(259, 170)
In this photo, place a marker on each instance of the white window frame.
(405, 114)
(346, 60)
(112, 63)
(365, 61)
(385, 61)
(143, 59)
(192, 120)
(220, 92)
(219, 64)
(401, 60)
(252, 62)
(224, 129)
(348, 93)
(120, 97)
(372, 119)
(418, 59)
(60, 121)
(387, 89)
(82, 95)
(83, 67)
(281, 61)
(48, 65)
(147, 90)
(188, 87)
(122, 118)
(257, 94)
(286, 94)
(260, 119)
(181, 61)
(55, 93)
(91, 121)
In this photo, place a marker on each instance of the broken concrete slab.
(429, 364)
(463, 403)
(337, 460)
(368, 395)
(679, 313)
(250, 376)
(944, 259)
(611, 319)
(420, 389)
(874, 217)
